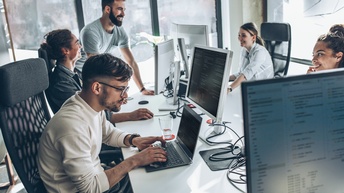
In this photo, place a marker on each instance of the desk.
(196, 177)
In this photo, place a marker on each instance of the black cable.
(242, 143)
(178, 113)
(240, 176)
(228, 151)
(232, 130)
(168, 93)
(218, 134)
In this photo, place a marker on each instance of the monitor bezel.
(225, 80)
(160, 49)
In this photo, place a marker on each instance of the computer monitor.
(164, 64)
(208, 81)
(183, 56)
(186, 36)
(294, 133)
(171, 103)
(175, 82)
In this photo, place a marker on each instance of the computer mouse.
(143, 102)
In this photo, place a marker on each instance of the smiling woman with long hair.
(61, 45)
(255, 60)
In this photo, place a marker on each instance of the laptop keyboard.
(173, 158)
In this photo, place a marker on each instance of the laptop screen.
(189, 128)
(294, 133)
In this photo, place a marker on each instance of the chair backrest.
(42, 53)
(23, 116)
(277, 37)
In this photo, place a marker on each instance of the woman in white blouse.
(255, 60)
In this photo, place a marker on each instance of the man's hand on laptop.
(144, 142)
(148, 156)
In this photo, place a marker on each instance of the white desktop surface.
(196, 177)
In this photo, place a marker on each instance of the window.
(137, 23)
(30, 20)
(308, 19)
(188, 12)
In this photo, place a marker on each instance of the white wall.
(234, 14)
(232, 19)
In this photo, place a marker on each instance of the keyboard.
(173, 158)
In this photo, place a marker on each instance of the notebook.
(184, 144)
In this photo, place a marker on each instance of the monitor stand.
(213, 130)
(173, 105)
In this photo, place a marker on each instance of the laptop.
(180, 151)
(294, 134)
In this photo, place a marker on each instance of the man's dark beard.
(114, 20)
(109, 107)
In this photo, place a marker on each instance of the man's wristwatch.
(132, 136)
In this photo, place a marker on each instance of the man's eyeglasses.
(122, 89)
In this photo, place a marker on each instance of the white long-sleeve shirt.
(69, 147)
(255, 64)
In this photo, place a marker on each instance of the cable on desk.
(237, 165)
(240, 139)
(235, 186)
(238, 159)
(168, 93)
(223, 124)
(240, 176)
(178, 113)
(227, 153)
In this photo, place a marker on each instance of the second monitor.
(185, 37)
(164, 61)
(207, 85)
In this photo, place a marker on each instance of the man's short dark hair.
(105, 66)
(107, 2)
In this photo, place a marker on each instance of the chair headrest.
(271, 31)
(21, 80)
(42, 53)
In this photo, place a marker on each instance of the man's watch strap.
(230, 89)
(132, 136)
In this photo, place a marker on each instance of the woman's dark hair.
(337, 29)
(335, 42)
(253, 30)
(104, 66)
(55, 41)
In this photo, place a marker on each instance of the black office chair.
(277, 37)
(42, 53)
(23, 116)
